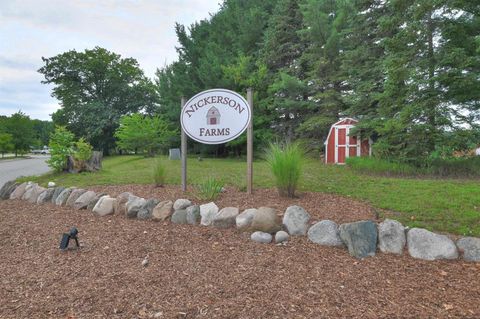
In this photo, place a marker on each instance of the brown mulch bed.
(320, 206)
(201, 272)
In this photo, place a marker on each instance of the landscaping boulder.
(105, 206)
(84, 199)
(225, 217)
(424, 244)
(244, 220)
(360, 238)
(470, 247)
(7, 189)
(181, 204)
(121, 202)
(95, 200)
(281, 236)
(31, 195)
(179, 216)
(57, 192)
(391, 237)
(193, 215)
(19, 191)
(163, 210)
(134, 204)
(295, 220)
(147, 209)
(266, 220)
(63, 196)
(207, 212)
(325, 233)
(46, 196)
(261, 237)
(76, 193)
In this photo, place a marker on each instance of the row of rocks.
(361, 238)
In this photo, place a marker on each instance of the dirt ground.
(201, 272)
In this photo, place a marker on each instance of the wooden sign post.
(250, 144)
(184, 153)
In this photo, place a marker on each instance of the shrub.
(209, 189)
(81, 154)
(439, 167)
(159, 173)
(286, 163)
(61, 144)
(371, 165)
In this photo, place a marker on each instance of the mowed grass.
(444, 205)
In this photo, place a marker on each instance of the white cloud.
(30, 29)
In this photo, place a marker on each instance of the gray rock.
(133, 205)
(470, 247)
(121, 202)
(295, 220)
(325, 233)
(179, 216)
(19, 191)
(391, 237)
(424, 244)
(57, 192)
(147, 209)
(244, 220)
(7, 189)
(163, 210)
(105, 206)
(63, 196)
(281, 236)
(360, 238)
(46, 196)
(31, 195)
(51, 184)
(225, 218)
(261, 237)
(193, 215)
(265, 220)
(181, 204)
(95, 200)
(76, 193)
(84, 199)
(207, 212)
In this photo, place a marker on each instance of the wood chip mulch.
(201, 272)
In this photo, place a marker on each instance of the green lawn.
(437, 204)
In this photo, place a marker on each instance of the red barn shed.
(340, 145)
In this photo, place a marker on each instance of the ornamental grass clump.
(286, 163)
(159, 173)
(209, 189)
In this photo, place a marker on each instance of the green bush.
(61, 146)
(456, 167)
(83, 150)
(439, 167)
(371, 165)
(286, 163)
(209, 189)
(159, 173)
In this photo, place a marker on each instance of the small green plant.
(209, 189)
(159, 173)
(83, 150)
(286, 163)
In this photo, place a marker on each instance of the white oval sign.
(215, 116)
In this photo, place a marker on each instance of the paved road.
(14, 168)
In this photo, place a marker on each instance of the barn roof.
(345, 121)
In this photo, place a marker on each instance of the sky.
(32, 29)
